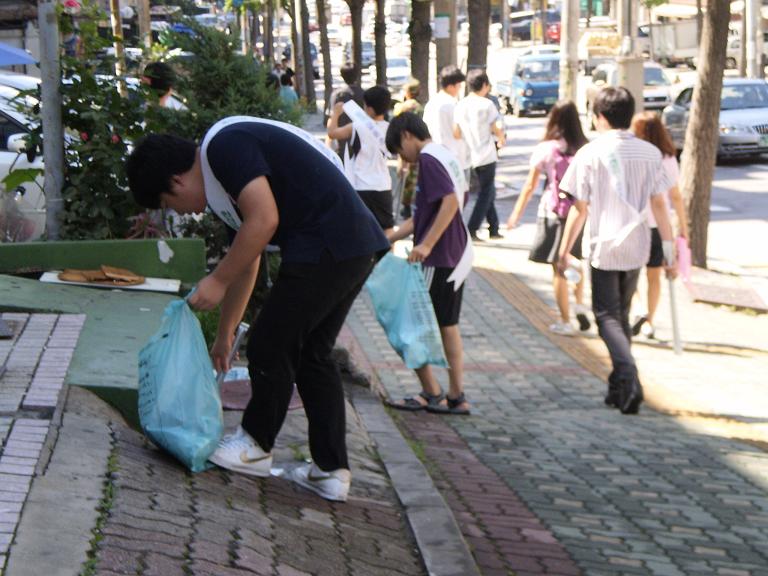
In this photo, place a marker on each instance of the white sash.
(221, 203)
(452, 166)
(361, 122)
(615, 230)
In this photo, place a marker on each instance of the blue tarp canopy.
(10, 56)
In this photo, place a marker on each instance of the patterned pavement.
(36, 360)
(619, 495)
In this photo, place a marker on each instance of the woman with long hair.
(648, 126)
(562, 139)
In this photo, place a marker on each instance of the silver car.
(743, 117)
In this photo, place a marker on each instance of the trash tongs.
(242, 329)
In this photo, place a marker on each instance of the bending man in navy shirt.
(273, 183)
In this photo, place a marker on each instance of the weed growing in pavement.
(298, 452)
(105, 506)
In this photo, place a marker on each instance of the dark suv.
(520, 26)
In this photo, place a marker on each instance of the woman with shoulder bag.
(562, 139)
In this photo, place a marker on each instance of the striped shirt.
(616, 174)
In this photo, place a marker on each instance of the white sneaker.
(330, 485)
(562, 329)
(239, 452)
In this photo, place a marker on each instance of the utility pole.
(630, 65)
(754, 34)
(53, 151)
(145, 23)
(569, 58)
(505, 23)
(119, 44)
(444, 34)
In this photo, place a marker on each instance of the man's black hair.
(476, 79)
(378, 98)
(286, 80)
(155, 160)
(161, 76)
(450, 75)
(617, 105)
(349, 74)
(273, 81)
(405, 122)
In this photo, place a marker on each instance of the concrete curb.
(62, 507)
(437, 534)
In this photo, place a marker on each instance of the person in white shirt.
(613, 179)
(439, 117)
(477, 120)
(365, 159)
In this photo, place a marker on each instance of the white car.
(398, 72)
(29, 199)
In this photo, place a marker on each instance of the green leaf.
(16, 178)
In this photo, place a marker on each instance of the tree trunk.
(269, 39)
(297, 61)
(420, 33)
(356, 11)
(309, 71)
(479, 15)
(380, 33)
(701, 135)
(325, 50)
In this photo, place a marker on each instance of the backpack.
(560, 202)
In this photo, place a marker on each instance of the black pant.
(612, 292)
(292, 342)
(485, 207)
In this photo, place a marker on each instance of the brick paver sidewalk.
(155, 518)
(34, 362)
(544, 479)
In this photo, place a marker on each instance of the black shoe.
(639, 321)
(583, 319)
(612, 397)
(475, 237)
(611, 400)
(496, 236)
(630, 396)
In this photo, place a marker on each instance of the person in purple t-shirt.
(439, 241)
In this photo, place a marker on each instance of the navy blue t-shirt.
(318, 208)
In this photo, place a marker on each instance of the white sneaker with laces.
(330, 485)
(562, 329)
(240, 453)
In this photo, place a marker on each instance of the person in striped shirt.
(613, 179)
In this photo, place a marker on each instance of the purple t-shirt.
(434, 183)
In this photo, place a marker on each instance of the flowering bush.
(103, 124)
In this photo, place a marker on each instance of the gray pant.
(612, 292)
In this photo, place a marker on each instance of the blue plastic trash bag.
(404, 309)
(179, 402)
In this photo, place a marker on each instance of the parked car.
(369, 53)
(398, 72)
(656, 91)
(14, 126)
(533, 85)
(288, 50)
(743, 117)
(520, 22)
